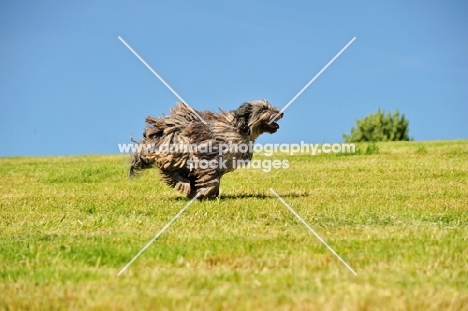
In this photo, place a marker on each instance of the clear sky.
(69, 86)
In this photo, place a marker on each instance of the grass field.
(398, 214)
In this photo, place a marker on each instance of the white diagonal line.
(157, 235)
(313, 79)
(313, 231)
(161, 79)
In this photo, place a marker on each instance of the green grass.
(398, 214)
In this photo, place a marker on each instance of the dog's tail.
(138, 163)
(138, 160)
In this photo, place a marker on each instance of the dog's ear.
(242, 117)
(244, 111)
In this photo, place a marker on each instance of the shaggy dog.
(193, 156)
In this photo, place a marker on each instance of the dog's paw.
(183, 187)
(204, 193)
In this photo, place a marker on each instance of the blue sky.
(69, 86)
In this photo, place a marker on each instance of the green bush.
(380, 126)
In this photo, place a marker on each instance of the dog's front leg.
(205, 185)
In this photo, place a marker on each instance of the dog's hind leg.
(175, 180)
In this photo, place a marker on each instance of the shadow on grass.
(262, 196)
(232, 196)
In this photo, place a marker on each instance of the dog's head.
(257, 117)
